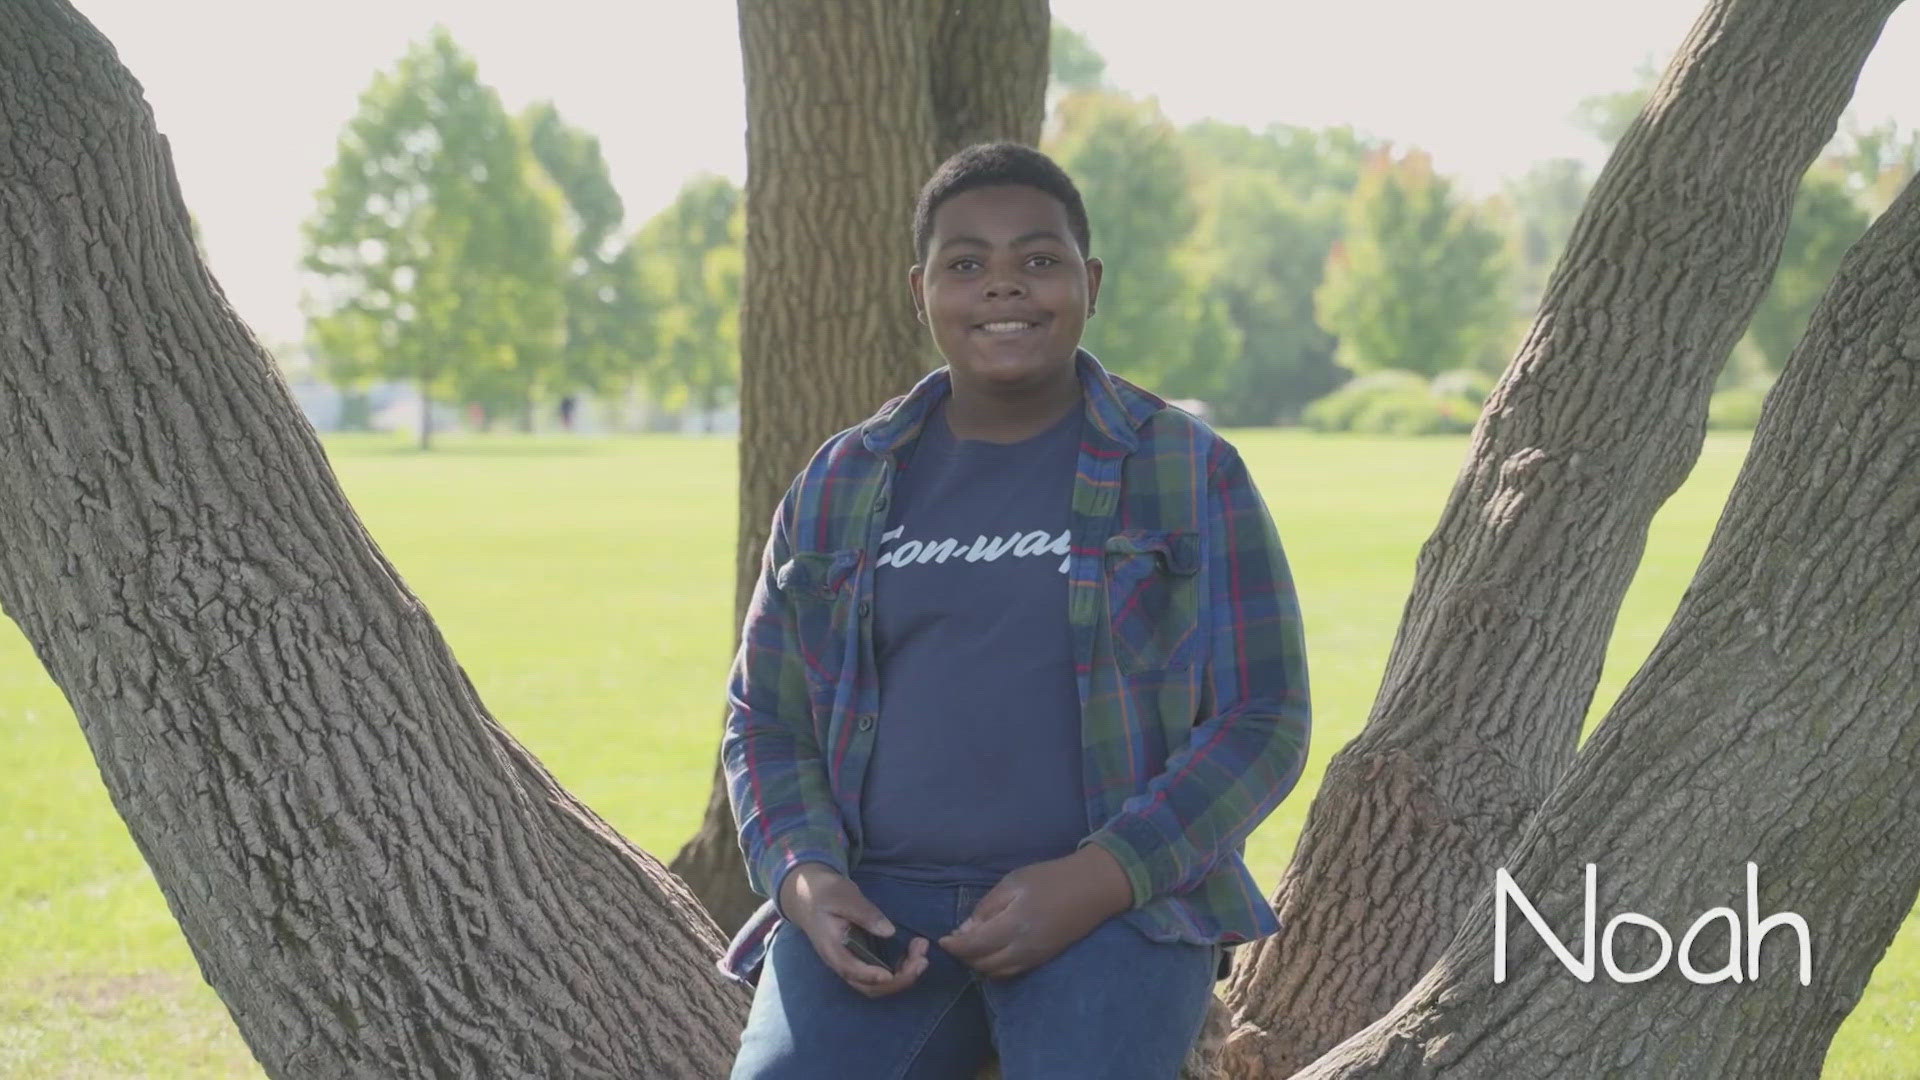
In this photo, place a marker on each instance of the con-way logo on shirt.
(982, 549)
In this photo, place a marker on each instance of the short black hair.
(987, 164)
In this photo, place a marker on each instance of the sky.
(252, 94)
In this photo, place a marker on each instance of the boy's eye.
(969, 263)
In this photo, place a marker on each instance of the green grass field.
(585, 586)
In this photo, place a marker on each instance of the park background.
(1275, 248)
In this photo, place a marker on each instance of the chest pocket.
(820, 586)
(1153, 598)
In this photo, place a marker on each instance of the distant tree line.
(1280, 276)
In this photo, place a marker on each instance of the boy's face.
(1004, 288)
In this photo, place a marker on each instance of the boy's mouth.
(1007, 327)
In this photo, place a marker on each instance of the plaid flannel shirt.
(1189, 658)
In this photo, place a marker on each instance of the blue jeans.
(1112, 1006)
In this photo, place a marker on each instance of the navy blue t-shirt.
(976, 766)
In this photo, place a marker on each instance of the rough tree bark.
(988, 67)
(1596, 422)
(1774, 723)
(376, 878)
(379, 881)
(849, 107)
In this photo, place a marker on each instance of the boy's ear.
(914, 275)
(1094, 268)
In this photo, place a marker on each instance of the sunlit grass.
(586, 587)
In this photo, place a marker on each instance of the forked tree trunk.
(377, 879)
(1596, 422)
(1777, 722)
(987, 67)
(380, 882)
(849, 107)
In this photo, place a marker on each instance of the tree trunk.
(826, 328)
(988, 64)
(1596, 422)
(1774, 724)
(375, 877)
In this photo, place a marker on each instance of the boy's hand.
(822, 902)
(1038, 910)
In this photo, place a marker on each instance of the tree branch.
(1773, 724)
(1596, 422)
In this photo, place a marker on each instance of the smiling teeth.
(1004, 327)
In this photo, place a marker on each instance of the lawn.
(585, 586)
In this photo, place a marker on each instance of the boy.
(1022, 670)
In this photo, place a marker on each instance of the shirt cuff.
(1130, 859)
(790, 860)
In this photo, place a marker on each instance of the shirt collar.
(1114, 407)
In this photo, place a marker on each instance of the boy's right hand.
(822, 902)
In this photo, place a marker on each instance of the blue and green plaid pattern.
(1188, 651)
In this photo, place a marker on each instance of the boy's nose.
(1005, 288)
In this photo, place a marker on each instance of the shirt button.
(866, 609)
(866, 721)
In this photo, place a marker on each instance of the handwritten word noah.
(1506, 890)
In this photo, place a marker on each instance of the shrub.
(1387, 379)
(1415, 412)
(1335, 411)
(1394, 403)
(1464, 384)
(1389, 412)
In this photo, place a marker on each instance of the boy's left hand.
(1039, 910)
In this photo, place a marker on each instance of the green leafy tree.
(1273, 203)
(528, 356)
(1837, 198)
(1324, 163)
(1826, 221)
(1855, 180)
(1072, 62)
(608, 320)
(1419, 281)
(1542, 206)
(1268, 251)
(1132, 172)
(435, 243)
(1877, 162)
(1608, 116)
(692, 260)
